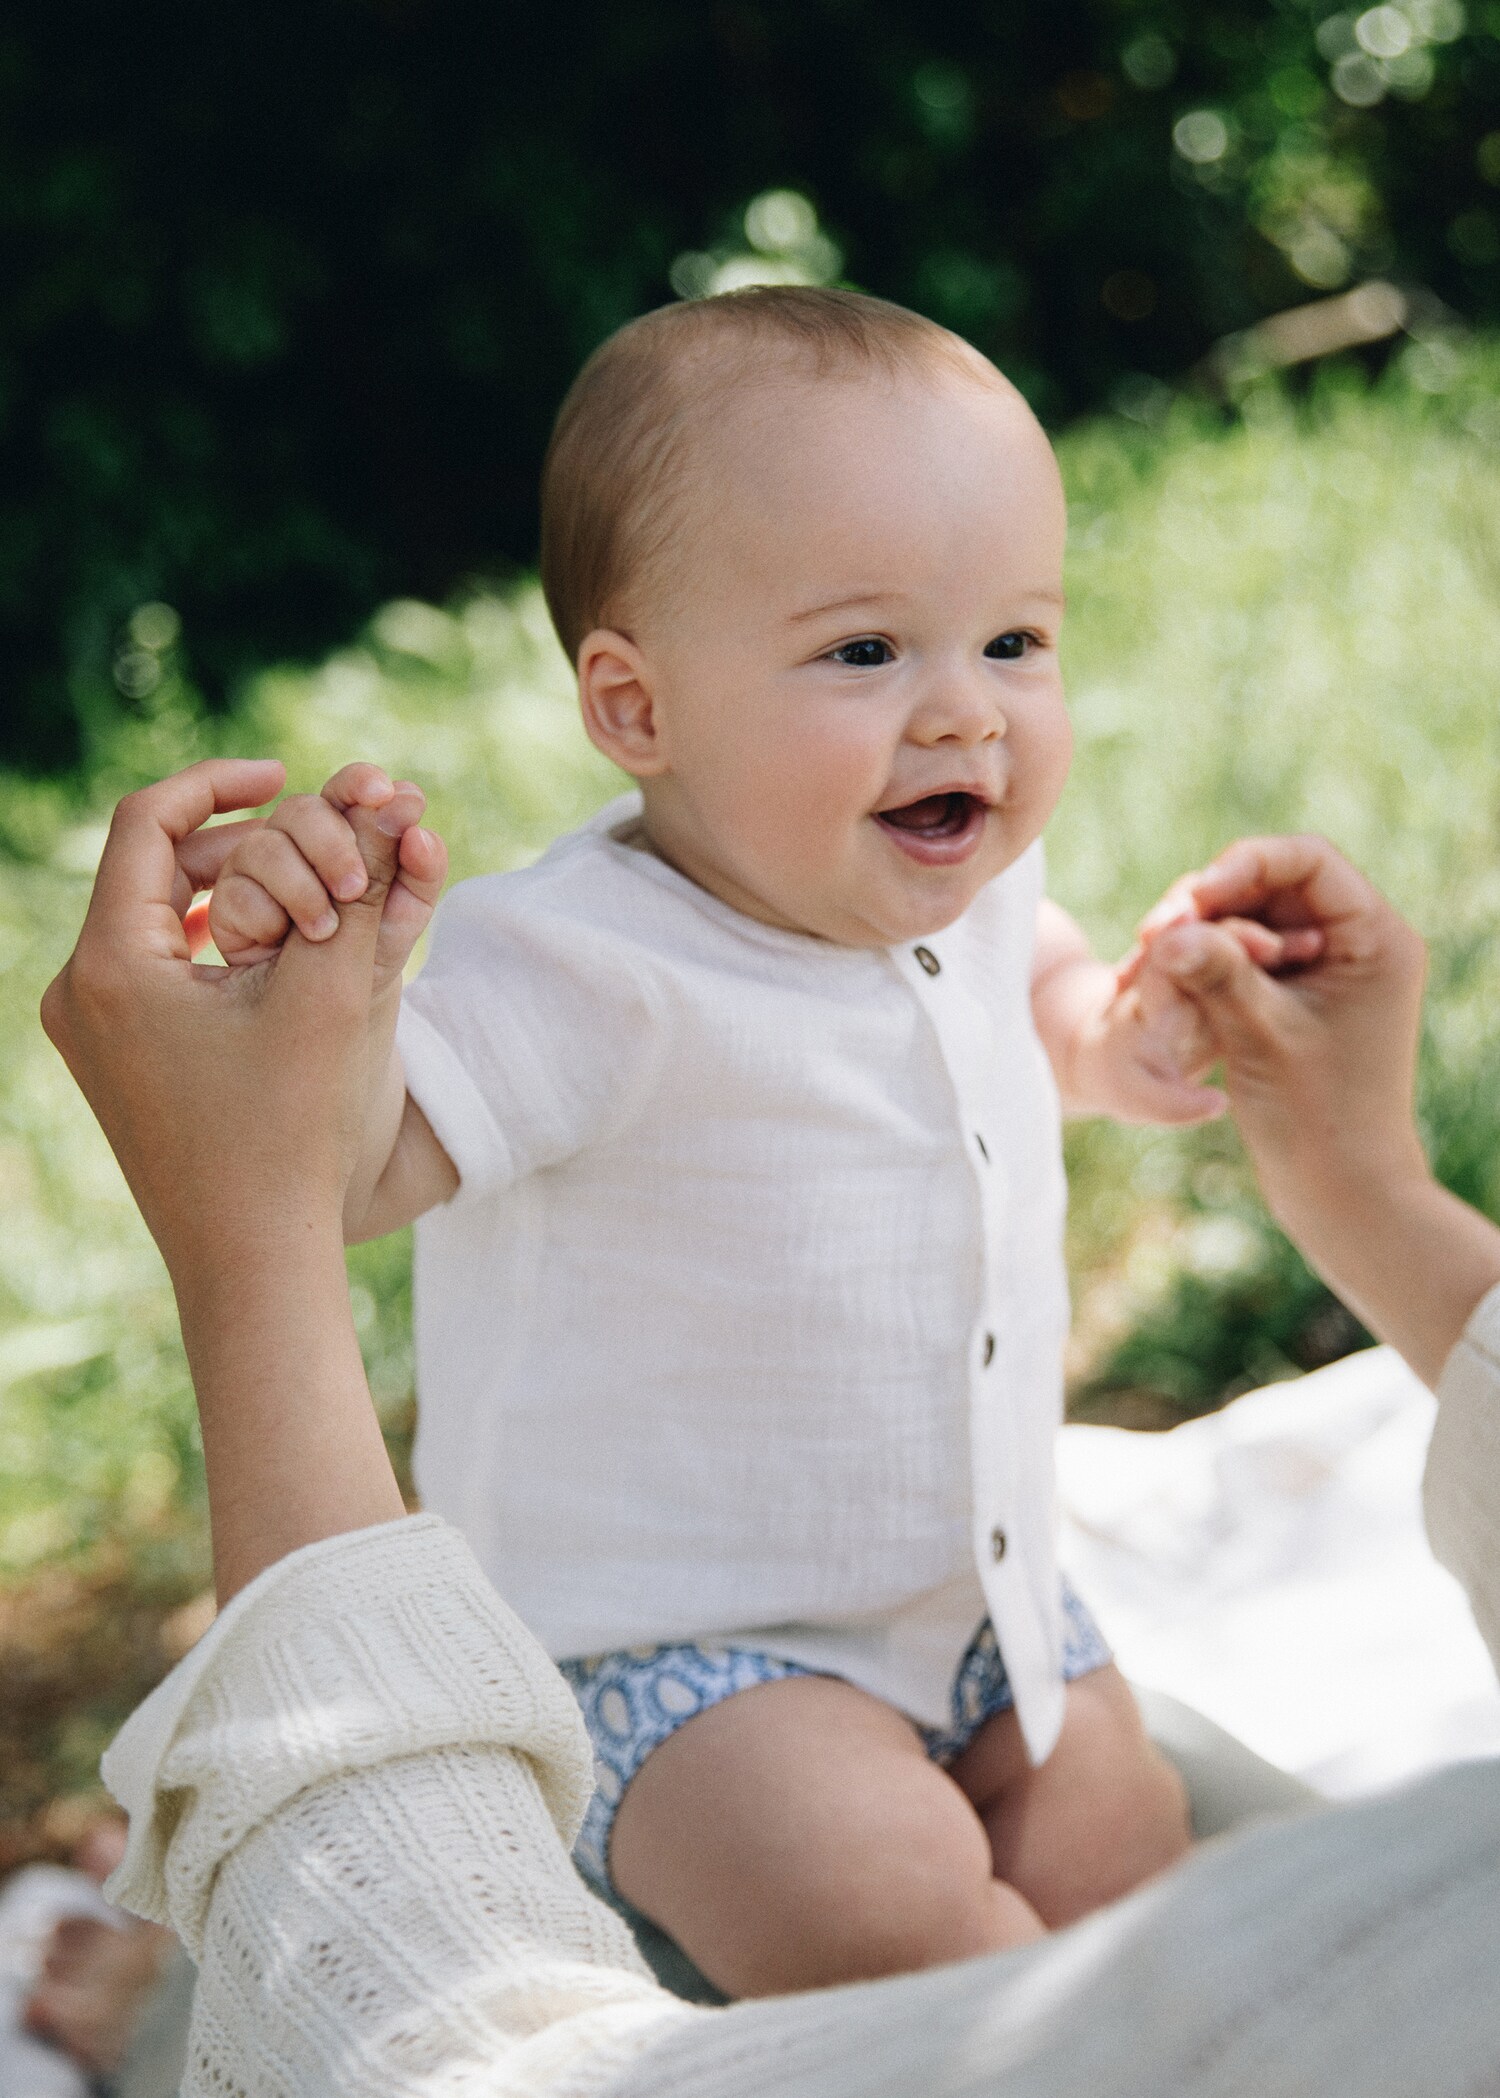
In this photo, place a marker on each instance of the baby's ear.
(617, 698)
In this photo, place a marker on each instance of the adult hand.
(1320, 1065)
(232, 1098)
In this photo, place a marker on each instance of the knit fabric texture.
(355, 1800)
(1462, 1484)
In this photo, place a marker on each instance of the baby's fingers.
(1274, 950)
(266, 888)
(326, 841)
(1175, 908)
(359, 786)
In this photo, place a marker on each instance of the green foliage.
(1291, 624)
(293, 290)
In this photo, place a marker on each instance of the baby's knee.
(1153, 1812)
(917, 1911)
(1138, 1814)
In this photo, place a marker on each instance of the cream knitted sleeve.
(1461, 1490)
(352, 1803)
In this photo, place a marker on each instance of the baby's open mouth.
(934, 816)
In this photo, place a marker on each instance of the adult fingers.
(422, 868)
(1267, 948)
(1270, 949)
(201, 857)
(132, 903)
(1295, 881)
(1245, 1008)
(424, 862)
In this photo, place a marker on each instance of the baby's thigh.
(796, 1835)
(1103, 1813)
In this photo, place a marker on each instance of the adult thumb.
(1242, 1006)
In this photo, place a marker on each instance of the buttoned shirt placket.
(966, 1040)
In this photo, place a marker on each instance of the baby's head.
(805, 549)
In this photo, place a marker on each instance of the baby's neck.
(635, 834)
(670, 839)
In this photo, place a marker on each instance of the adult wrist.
(1338, 1184)
(249, 1255)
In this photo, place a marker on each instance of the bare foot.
(93, 1986)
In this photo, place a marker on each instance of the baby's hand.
(1143, 1055)
(291, 869)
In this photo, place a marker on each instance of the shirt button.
(984, 1149)
(997, 1544)
(928, 960)
(989, 1349)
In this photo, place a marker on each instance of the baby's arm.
(1126, 1041)
(289, 871)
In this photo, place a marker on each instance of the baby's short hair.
(620, 449)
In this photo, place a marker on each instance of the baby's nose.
(960, 709)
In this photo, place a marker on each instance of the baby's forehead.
(866, 482)
(788, 399)
(775, 456)
(779, 442)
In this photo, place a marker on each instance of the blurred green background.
(290, 297)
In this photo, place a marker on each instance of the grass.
(1288, 621)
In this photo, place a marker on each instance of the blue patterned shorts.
(632, 1701)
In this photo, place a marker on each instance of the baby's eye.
(1009, 648)
(868, 654)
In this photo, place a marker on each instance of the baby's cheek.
(1041, 751)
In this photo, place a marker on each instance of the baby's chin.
(905, 901)
(877, 898)
(887, 914)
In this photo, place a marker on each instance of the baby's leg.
(1103, 1813)
(796, 1835)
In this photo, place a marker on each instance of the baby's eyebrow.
(1041, 594)
(842, 604)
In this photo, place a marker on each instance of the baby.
(734, 1124)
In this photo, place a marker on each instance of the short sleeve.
(531, 1032)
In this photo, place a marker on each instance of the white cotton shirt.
(746, 1322)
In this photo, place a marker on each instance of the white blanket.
(1269, 1566)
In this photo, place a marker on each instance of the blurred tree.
(291, 291)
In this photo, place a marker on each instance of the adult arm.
(1320, 1069)
(353, 1801)
(234, 1102)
